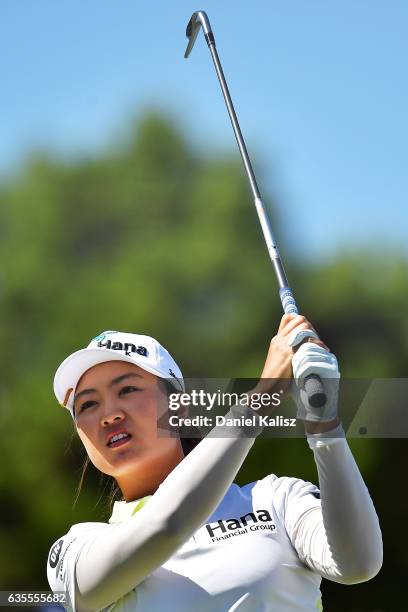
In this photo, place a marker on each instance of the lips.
(117, 438)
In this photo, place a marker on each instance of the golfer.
(185, 536)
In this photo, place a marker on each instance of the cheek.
(93, 450)
(148, 413)
(86, 430)
(85, 440)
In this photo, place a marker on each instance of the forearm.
(344, 542)
(108, 569)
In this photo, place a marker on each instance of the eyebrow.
(115, 381)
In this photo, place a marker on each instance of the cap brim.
(73, 367)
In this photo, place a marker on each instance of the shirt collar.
(122, 510)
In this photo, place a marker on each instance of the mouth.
(119, 440)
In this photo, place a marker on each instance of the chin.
(153, 460)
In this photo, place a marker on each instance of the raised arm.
(341, 539)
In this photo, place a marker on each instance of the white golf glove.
(310, 358)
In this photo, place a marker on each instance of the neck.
(135, 485)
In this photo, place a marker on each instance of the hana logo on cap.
(143, 351)
(115, 345)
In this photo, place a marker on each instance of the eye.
(128, 389)
(87, 404)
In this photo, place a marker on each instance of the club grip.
(315, 391)
(313, 385)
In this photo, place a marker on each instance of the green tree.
(152, 237)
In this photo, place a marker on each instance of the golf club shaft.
(312, 385)
(288, 301)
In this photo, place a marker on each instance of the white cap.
(142, 351)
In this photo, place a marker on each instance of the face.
(117, 397)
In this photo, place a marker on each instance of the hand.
(277, 372)
(315, 358)
(294, 331)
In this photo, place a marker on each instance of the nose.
(112, 414)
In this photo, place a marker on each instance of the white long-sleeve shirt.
(202, 543)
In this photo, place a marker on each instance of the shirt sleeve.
(339, 535)
(97, 571)
(62, 558)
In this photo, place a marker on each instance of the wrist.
(316, 427)
(324, 440)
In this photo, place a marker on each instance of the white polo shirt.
(241, 559)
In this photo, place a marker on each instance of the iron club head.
(197, 20)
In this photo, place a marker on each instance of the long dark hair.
(109, 483)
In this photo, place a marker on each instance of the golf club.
(313, 385)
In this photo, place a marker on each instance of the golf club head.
(197, 20)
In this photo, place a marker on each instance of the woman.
(185, 537)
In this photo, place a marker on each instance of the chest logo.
(259, 520)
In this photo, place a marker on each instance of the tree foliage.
(154, 238)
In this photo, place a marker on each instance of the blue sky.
(320, 89)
